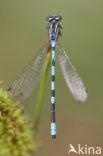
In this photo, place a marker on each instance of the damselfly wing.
(71, 76)
(28, 79)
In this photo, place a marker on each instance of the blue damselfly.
(25, 83)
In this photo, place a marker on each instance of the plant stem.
(40, 98)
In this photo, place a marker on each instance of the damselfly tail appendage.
(73, 81)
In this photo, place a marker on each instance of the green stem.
(40, 98)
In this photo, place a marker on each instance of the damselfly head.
(54, 18)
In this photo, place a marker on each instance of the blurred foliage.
(17, 137)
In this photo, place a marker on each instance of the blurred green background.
(22, 34)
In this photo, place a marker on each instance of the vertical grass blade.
(40, 98)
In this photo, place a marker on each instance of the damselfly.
(25, 83)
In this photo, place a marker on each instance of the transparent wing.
(26, 81)
(71, 76)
